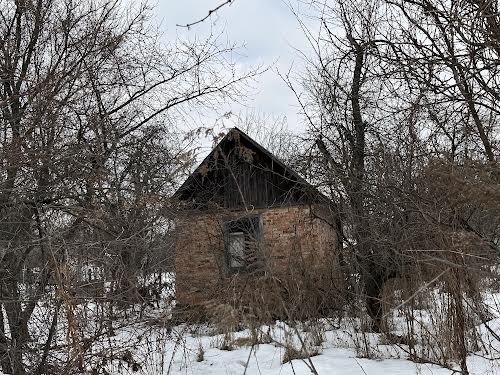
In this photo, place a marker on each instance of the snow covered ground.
(144, 342)
(181, 355)
(198, 350)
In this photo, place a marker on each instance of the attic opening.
(242, 246)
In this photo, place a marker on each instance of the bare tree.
(340, 82)
(89, 103)
(209, 14)
(383, 103)
(452, 49)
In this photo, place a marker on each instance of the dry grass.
(292, 353)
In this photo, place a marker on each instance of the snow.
(179, 354)
(153, 347)
(267, 360)
(340, 352)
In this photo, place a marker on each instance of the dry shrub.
(200, 355)
(291, 296)
(314, 332)
(292, 353)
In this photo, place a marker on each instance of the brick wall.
(295, 240)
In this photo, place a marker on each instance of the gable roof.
(236, 138)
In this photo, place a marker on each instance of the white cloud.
(269, 31)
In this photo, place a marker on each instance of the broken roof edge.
(300, 180)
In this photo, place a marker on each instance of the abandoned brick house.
(247, 216)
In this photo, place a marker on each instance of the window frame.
(251, 228)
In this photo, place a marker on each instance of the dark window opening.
(242, 245)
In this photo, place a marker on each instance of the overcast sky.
(270, 33)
